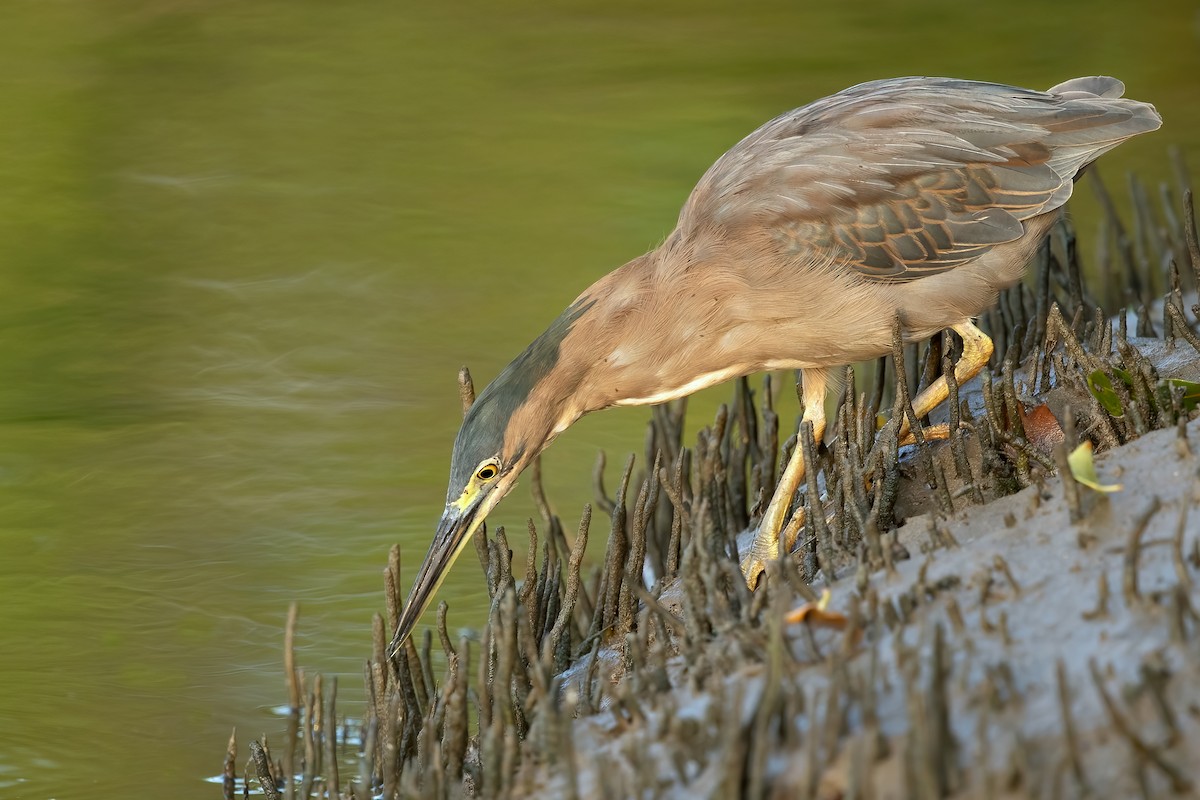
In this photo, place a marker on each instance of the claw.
(766, 547)
(754, 563)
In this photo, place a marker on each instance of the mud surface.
(1008, 620)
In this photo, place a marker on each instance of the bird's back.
(904, 178)
(917, 198)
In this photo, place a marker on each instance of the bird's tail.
(1100, 120)
(1095, 86)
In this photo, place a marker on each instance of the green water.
(244, 248)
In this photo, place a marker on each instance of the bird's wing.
(906, 178)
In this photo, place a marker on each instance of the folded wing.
(905, 178)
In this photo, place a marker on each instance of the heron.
(913, 199)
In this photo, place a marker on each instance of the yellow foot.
(934, 433)
(754, 563)
(766, 547)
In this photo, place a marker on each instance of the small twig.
(1101, 609)
(603, 501)
(1180, 326)
(673, 620)
(1181, 570)
(1133, 550)
(999, 563)
(443, 634)
(1071, 493)
(574, 581)
(332, 779)
(262, 766)
(1064, 705)
(229, 773)
(1189, 231)
(289, 657)
(466, 390)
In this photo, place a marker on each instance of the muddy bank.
(1012, 652)
(992, 627)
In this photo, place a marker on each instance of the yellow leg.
(977, 349)
(767, 543)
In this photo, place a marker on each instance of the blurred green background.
(244, 248)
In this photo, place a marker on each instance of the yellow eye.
(486, 472)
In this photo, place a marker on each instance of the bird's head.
(514, 418)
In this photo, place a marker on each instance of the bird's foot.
(754, 563)
(932, 433)
(769, 545)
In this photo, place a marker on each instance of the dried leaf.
(1084, 470)
(1041, 427)
(816, 614)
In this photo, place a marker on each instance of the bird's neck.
(569, 369)
(625, 346)
(642, 334)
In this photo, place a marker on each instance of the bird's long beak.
(453, 532)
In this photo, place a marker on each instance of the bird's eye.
(486, 472)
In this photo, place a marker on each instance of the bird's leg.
(767, 544)
(977, 349)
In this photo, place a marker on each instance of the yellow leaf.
(1084, 470)
(817, 614)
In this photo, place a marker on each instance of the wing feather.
(910, 177)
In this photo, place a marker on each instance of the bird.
(915, 199)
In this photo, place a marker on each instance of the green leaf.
(1191, 392)
(1102, 389)
(1126, 377)
(1084, 470)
